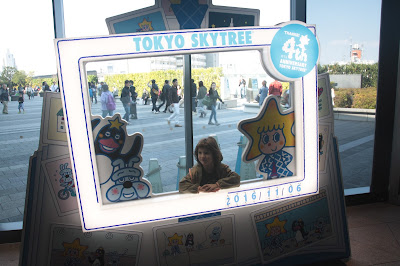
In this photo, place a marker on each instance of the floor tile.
(9, 254)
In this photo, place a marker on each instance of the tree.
(19, 77)
(29, 78)
(93, 78)
(7, 75)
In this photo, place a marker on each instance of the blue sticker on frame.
(294, 51)
(150, 22)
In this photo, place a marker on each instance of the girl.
(209, 174)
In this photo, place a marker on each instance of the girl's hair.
(209, 144)
(201, 83)
(104, 87)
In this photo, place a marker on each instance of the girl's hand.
(209, 188)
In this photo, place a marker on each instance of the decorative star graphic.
(269, 117)
(276, 223)
(189, 13)
(75, 245)
(175, 237)
(115, 123)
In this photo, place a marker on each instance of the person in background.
(263, 92)
(54, 87)
(4, 97)
(275, 88)
(154, 95)
(213, 94)
(126, 100)
(145, 96)
(21, 102)
(99, 88)
(200, 97)
(174, 100)
(107, 102)
(94, 90)
(194, 94)
(29, 91)
(45, 87)
(242, 86)
(90, 92)
(115, 92)
(163, 96)
(134, 94)
(209, 174)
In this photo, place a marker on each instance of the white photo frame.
(73, 55)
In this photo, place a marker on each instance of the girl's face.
(272, 141)
(205, 158)
(213, 86)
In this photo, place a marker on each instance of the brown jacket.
(226, 179)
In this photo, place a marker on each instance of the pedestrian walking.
(263, 92)
(164, 96)
(194, 94)
(5, 97)
(94, 91)
(21, 102)
(134, 94)
(29, 91)
(174, 100)
(154, 95)
(200, 97)
(213, 94)
(107, 101)
(126, 100)
(90, 92)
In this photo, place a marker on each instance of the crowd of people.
(275, 89)
(20, 91)
(169, 98)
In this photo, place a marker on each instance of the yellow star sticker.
(175, 237)
(115, 123)
(276, 223)
(269, 118)
(75, 245)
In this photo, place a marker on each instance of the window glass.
(32, 55)
(348, 32)
(26, 59)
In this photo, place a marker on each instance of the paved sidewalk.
(19, 138)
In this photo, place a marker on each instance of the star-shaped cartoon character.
(275, 229)
(269, 133)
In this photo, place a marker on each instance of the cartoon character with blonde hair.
(174, 242)
(73, 252)
(275, 229)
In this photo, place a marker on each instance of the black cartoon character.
(98, 257)
(110, 139)
(298, 228)
(189, 243)
(118, 160)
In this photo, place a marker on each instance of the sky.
(28, 32)
(343, 22)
